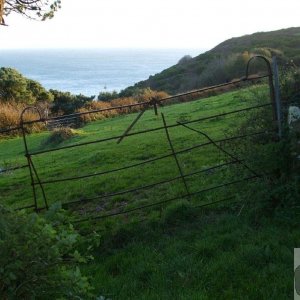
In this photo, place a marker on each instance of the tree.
(38, 91)
(108, 96)
(185, 59)
(32, 9)
(67, 103)
(17, 88)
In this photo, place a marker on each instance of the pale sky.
(149, 24)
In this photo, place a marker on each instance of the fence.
(39, 184)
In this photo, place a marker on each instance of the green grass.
(174, 251)
(16, 189)
(206, 254)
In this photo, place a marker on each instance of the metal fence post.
(27, 155)
(32, 169)
(270, 76)
(277, 95)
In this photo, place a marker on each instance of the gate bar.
(174, 154)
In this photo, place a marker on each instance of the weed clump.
(60, 135)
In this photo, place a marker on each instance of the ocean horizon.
(90, 71)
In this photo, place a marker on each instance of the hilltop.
(224, 62)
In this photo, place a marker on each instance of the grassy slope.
(190, 254)
(209, 68)
(186, 254)
(106, 156)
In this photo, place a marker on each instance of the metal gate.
(88, 206)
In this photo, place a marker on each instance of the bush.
(277, 191)
(144, 95)
(95, 105)
(107, 96)
(66, 103)
(39, 257)
(10, 117)
(15, 87)
(290, 85)
(141, 95)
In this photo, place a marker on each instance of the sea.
(91, 71)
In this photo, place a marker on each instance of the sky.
(149, 23)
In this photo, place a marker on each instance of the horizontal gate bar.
(13, 169)
(9, 129)
(148, 130)
(149, 160)
(148, 186)
(164, 201)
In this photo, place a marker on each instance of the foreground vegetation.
(200, 254)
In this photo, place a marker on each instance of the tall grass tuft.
(10, 118)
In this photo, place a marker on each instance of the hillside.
(180, 249)
(224, 62)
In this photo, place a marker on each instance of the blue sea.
(89, 71)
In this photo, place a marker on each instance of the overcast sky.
(149, 24)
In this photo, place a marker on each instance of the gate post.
(32, 169)
(27, 155)
(271, 84)
(277, 95)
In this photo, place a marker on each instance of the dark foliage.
(33, 9)
(15, 87)
(67, 103)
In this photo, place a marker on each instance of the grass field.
(172, 251)
(95, 158)
(188, 254)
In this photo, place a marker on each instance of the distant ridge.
(224, 62)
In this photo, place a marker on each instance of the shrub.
(107, 96)
(67, 103)
(10, 117)
(123, 102)
(95, 105)
(144, 95)
(141, 95)
(290, 85)
(278, 188)
(39, 257)
(15, 87)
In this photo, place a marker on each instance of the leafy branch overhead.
(33, 9)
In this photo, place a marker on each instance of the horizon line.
(106, 48)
